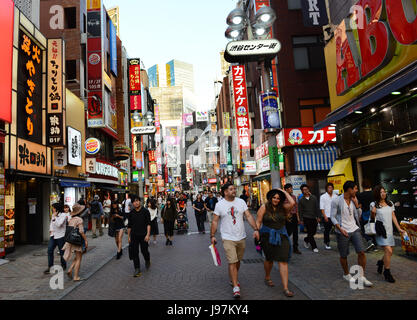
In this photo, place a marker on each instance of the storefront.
(104, 180)
(374, 105)
(263, 175)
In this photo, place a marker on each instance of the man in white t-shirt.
(106, 210)
(231, 210)
(326, 208)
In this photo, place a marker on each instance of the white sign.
(69, 197)
(250, 167)
(105, 169)
(90, 165)
(263, 165)
(143, 130)
(60, 157)
(296, 182)
(74, 147)
(202, 116)
(212, 149)
(253, 47)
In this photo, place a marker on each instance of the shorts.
(343, 243)
(234, 250)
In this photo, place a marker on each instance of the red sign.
(153, 168)
(262, 151)
(151, 154)
(305, 136)
(376, 39)
(241, 106)
(214, 180)
(6, 58)
(135, 99)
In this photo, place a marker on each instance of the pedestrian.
(294, 220)
(153, 210)
(345, 218)
(106, 211)
(69, 248)
(326, 208)
(204, 197)
(230, 212)
(96, 210)
(383, 211)
(57, 229)
(275, 241)
(244, 197)
(139, 233)
(118, 225)
(200, 213)
(169, 214)
(182, 203)
(308, 209)
(209, 205)
(85, 215)
(365, 199)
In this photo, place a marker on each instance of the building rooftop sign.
(251, 50)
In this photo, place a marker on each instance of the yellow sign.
(340, 173)
(93, 4)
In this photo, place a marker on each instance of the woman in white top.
(153, 210)
(384, 211)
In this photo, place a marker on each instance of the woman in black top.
(116, 220)
(200, 213)
(169, 214)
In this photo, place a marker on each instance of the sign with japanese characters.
(250, 167)
(135, 99)
(55, 129)
(30, 90)
(90, 165)
(6, 56)
(31, 157)
(241, 106)
(226, 124)
(251, 50)
(74, 147)
(60, 157)
(153, 168)
(306, 136)
(314, 13)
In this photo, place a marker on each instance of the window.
(313, 111)
(308, 53)
(71, 69)
(70, 18)
(294, 4)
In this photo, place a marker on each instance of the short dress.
(280, 253)
(154, 222)
(69, 248)
(384, 215)
(118, 223)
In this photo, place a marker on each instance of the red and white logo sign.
(305, 136)
(94, 59)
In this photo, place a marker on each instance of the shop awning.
(315, 159)
(342, 168)
(262, 177)
(74, 183)
(391, 84)
(115, 190)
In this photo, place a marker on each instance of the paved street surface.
(185, 271)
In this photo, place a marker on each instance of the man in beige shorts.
(230, 210)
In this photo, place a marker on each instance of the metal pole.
(271, 133)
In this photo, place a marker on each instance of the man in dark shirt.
(139, 232)
(210, 204)
(309, 212)
(365, 198)
(244, 197)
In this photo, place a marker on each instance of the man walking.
(365, 199)
(106, 211)
(345, 217)
(308, 208)
(96, 211)
(292, 225)
(139, 233)
(232, 228)
(325, 207)
(209, 205)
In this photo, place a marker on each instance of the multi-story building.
(180, 73)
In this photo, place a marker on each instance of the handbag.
(370, 228)
(73, 236)
(112, 231)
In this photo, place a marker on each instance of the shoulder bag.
(370, 228)
(73, 236)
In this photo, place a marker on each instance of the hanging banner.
(269, 111)
(135, 99)
(226, 122)
(74, 147)
(241, 106)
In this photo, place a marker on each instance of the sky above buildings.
(192, 31)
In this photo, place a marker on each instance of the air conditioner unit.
(84, 38)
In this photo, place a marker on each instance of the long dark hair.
(271, 210)
(152, 204)
(378, 198)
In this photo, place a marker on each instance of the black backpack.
(95, 208)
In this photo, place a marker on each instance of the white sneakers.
(328, 247)
(316, 250)
(347, 277)
(365, 281)
(306, 245)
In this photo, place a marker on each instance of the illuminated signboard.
(135, 99)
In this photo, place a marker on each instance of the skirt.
(275, 253)
(69, 249)
(154, 227)
(382, 242)
(169, 228)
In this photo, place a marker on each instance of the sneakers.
(414, 172)
(316, 250)
(370, 247)
(327, 247)
(236, 292)
(306, 245)
(395, 191)
(94, 236)
(403, 180)
(405, 193)
(47, 271)
(137, 273)
(413, 160)
(102, 225)
(296, 251)
(366, 282)
(413, 179)
(347, 277)
(231, 284)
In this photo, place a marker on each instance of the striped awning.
(315, 159)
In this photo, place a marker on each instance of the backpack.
(95, 208)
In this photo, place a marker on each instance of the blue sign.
(270, 111)
(113, 48)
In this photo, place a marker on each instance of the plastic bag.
(215, 255)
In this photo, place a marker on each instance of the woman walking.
(200, 213)
(153, 210)
(69, 248)
(169, 214)
(117, 223)
(384, 212)
(275, 241)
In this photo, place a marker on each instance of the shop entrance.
(28, 211)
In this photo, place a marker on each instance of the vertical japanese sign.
(6, 56)
(2, 213)
(241, 106)
(55, 94)
(158, 152)
(74, 147)
(29, 92)
(226, 122)
(94, 66)
(135, 98)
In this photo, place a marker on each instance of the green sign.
(274, 158)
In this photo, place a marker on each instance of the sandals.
(269, 283)
(69, 274)
(78, 280)
(288, 293)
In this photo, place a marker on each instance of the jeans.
(200, 221)
(137, 241)
(85, 232)
(327, 228)
(52, 244)
(311, 225)
(292, 229)
(96, 223)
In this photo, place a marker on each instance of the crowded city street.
(229, 154)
